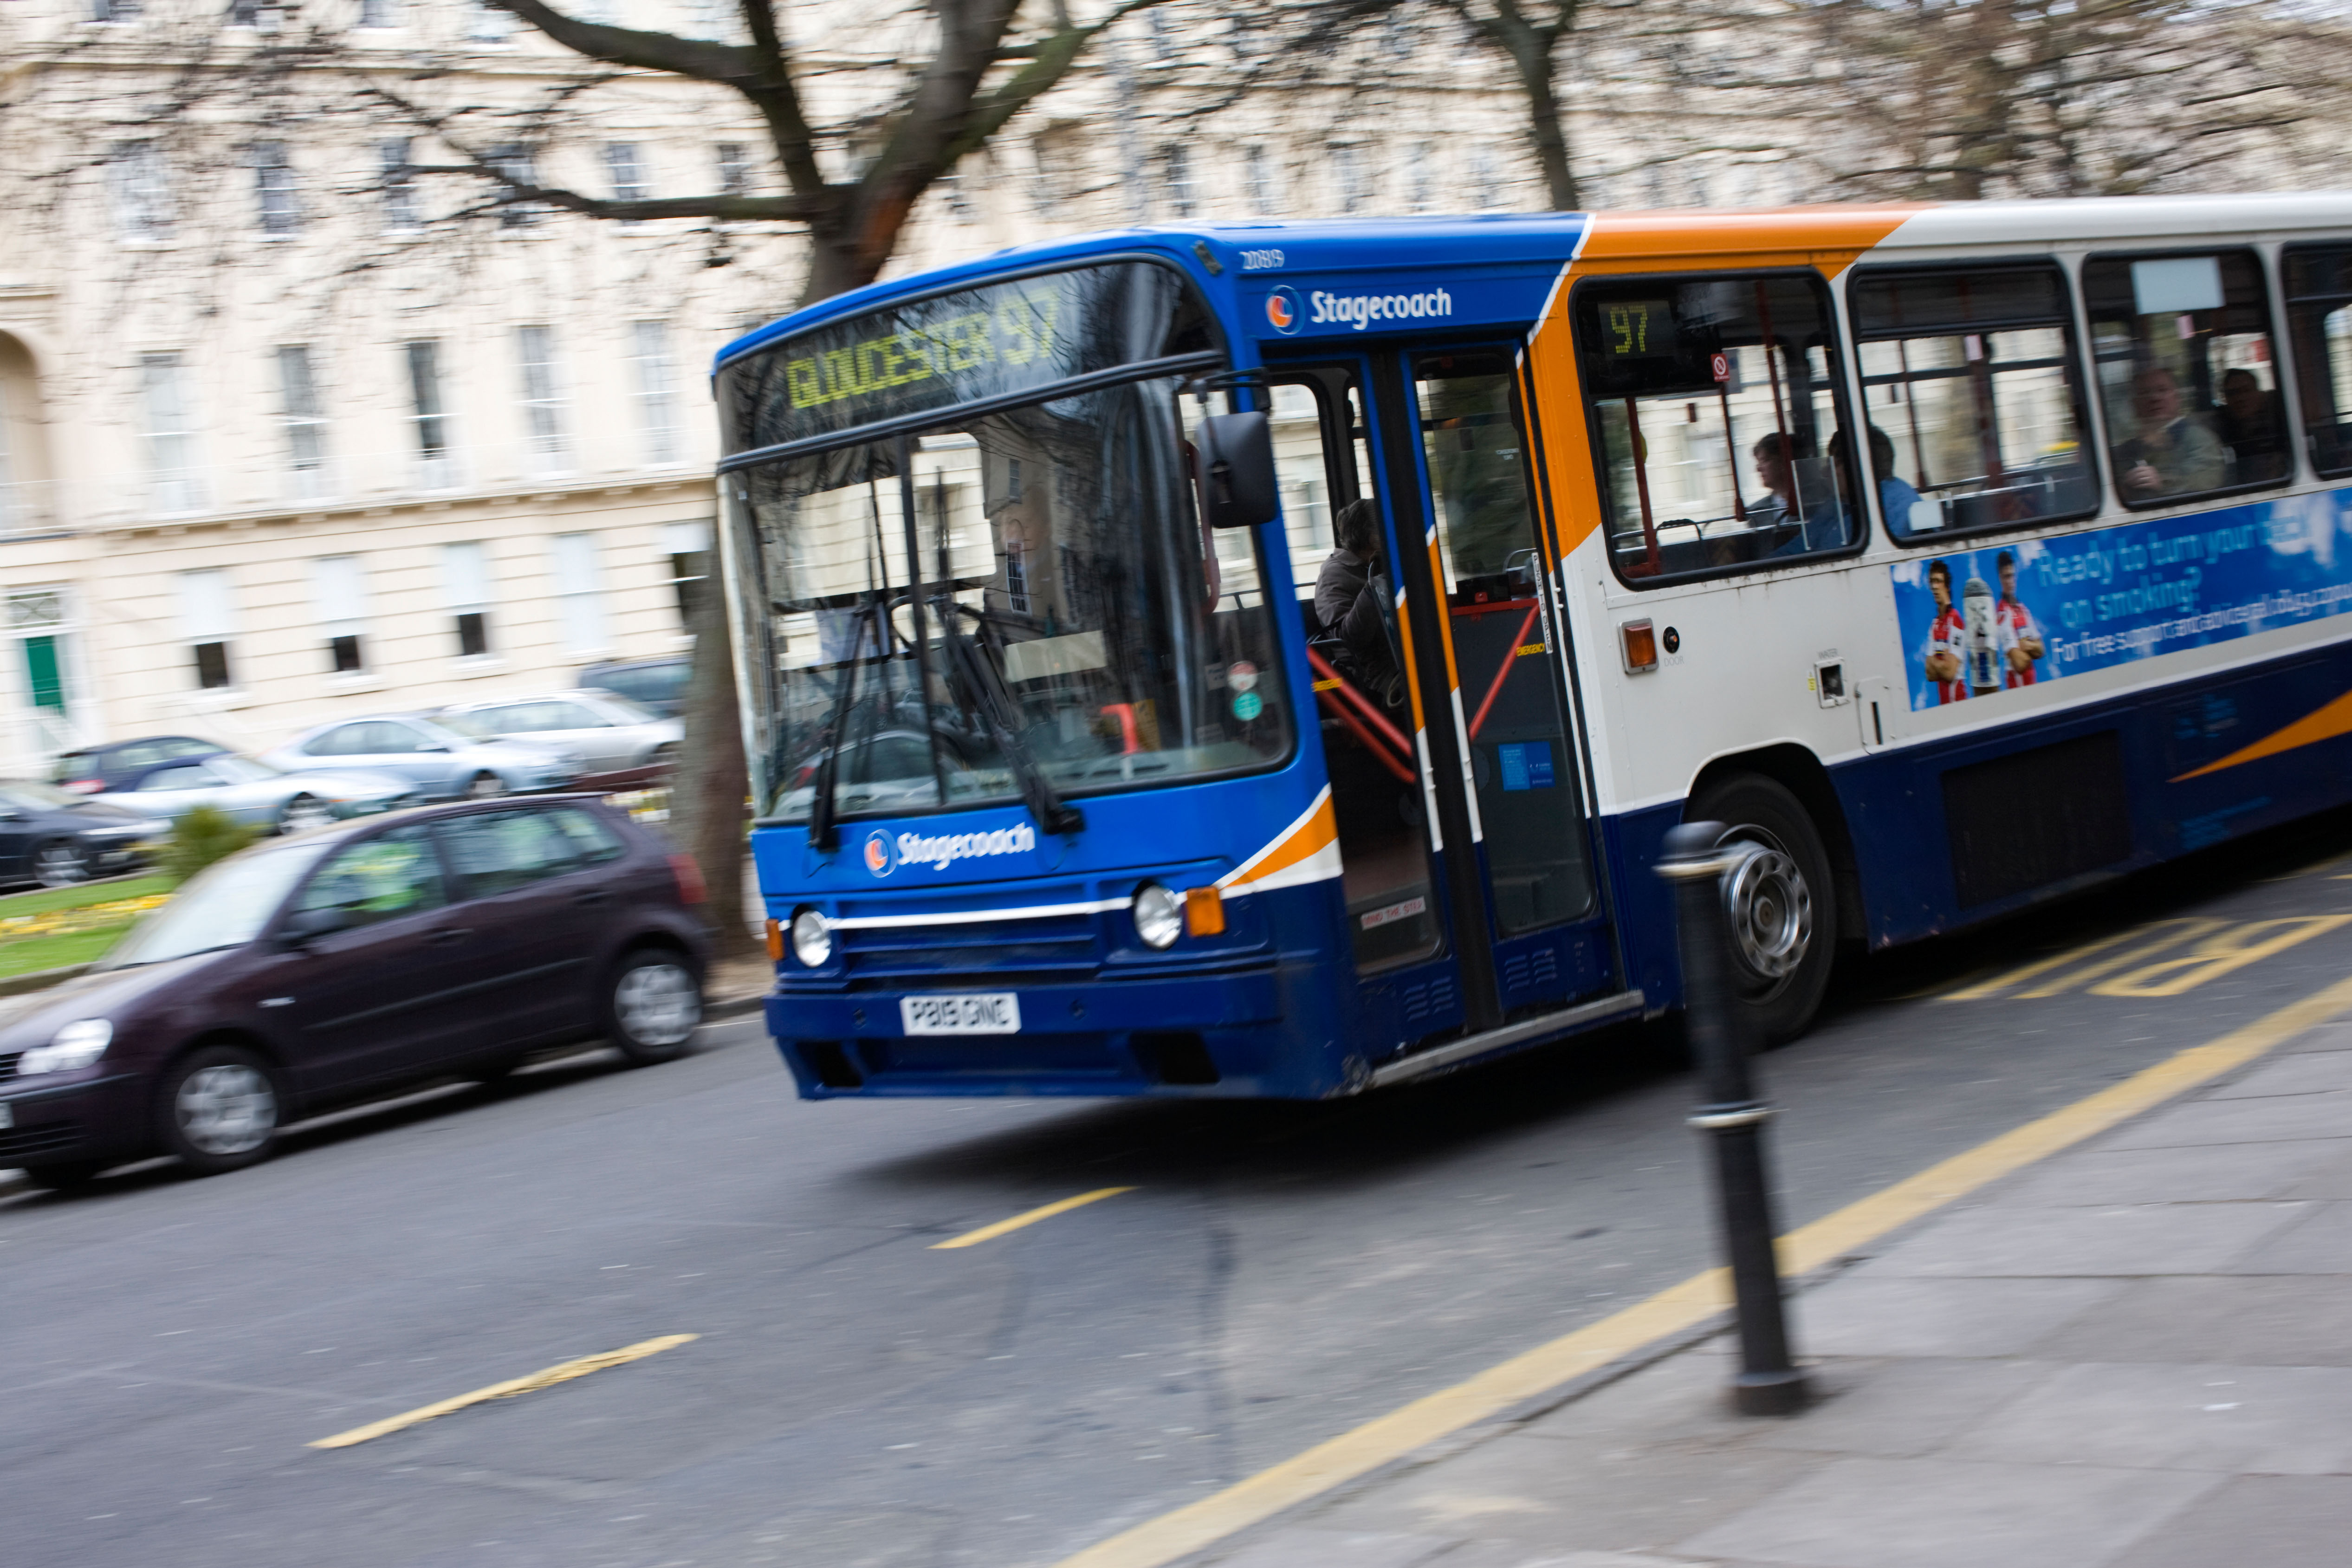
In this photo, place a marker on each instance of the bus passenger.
(1895, 496)
(2019, 638)
(1947, 639)
(1348, 601)
(2173, 454)
(2248, 423)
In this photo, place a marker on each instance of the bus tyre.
(1781, 905)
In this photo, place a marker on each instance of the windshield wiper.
(821, 834)
(1000, 716)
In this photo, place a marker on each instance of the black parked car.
(55, 838)
(447, 942)
(94, 770)
(656, 683)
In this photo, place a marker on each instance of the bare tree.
(892, 111)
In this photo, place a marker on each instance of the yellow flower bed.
(87, 917)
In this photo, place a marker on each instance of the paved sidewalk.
(2136, 1355)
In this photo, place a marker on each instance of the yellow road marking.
(507, 1390)
(2231, 951)
(2043, 966)
(2183, 930)
(1388, 1437)
(990, 1232)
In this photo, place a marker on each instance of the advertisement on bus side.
(1978, 623)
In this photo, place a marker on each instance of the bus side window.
(2186, 374)
(2319, 318)
(1715, 408)
(1973, 396)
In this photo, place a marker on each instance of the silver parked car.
(263, 796)
(604, 727)
(442, 764)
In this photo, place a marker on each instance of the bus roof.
(1326, 246)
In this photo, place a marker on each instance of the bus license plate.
(990, 1013)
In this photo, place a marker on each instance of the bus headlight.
(812, 939)
(1158, 915)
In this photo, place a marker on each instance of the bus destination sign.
(951, 348)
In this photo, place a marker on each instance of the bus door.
(1369, 715)
(1492, 678)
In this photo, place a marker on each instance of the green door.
(43, 676)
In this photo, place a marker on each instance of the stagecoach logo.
(885, 854)
(1282, 310)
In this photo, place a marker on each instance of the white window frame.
(168, 430)
(139, 182)
(546, 413)
(339, 586)
(208, 616)
(437, 464)
(304, 416)
(470, 589)
(579, 582)
(655, 386)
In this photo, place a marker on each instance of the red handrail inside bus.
(1510, 658)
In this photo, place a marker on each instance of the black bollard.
(1696, 862)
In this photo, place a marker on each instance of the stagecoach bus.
(1263, 659)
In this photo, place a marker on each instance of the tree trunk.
(708, 791)
(1545, 132)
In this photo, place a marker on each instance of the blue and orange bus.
(1263, 659)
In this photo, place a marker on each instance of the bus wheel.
(1783, 904)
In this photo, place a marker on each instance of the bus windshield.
(1019, 604)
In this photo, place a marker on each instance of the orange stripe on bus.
(2327, 725)
(1829, 237)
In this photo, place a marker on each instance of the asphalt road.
(859, 1397)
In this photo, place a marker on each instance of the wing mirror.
(1234, 466)
(304, 927)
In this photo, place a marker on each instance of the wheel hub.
(1769, 907)
(657, 1004)
(228, 1109)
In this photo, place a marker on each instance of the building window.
(398, 186)
(466, 573)
(579, 592)
(488, 25)
(141, 185)
(1348, 175)
(1483, 179)
(114, 10)
(273, 190)
(1257, 167)
(1016, 576)
(379, 13)
(340, 584)
(542, 406)
(427, 412)
(513, 162)
(306, 419)
(657, 391)
(1420, 170)
(624, 163)
(1176, 169)
(734, 169)
(175, 480)
(208, 622)
(687, 545)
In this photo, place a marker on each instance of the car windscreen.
(244, 769)
(224, 906)
(473, 726)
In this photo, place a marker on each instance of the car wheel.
(219, 1109)
(303, 812)
(1781, 906)
(60, 864)
(652, 1003)
(65, 1177)
(485, 786)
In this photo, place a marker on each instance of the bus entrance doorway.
(1469, 883)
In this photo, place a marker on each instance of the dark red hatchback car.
(449, 942)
